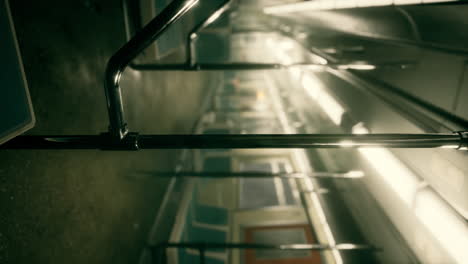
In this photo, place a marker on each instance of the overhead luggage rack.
(119, 138)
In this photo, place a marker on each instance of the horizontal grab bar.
(254, 174)
(317, 247)
(134, 141)
(238, 66)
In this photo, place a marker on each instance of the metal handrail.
(407, 42)
(254, 174)
(118, 137)
(193, 66)
(445, 117)
(440, 113)
(121, 59)
(157, 250)
(193, 36)
(133, 141)
(190, 40)
(316, 247)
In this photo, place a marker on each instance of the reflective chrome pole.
(253, 174)
(315, 247)
(134, 141)
(192, 37)
(246, 66)
(120, 60)
(304, 141)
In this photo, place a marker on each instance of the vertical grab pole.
(202, 254)
(193, 35)
(120, 60)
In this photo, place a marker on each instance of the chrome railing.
(119, 138)
(158, 250)
(134, 141)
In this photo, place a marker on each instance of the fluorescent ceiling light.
(402, 181)
(406, 2)
(347, 144)
(294, 7)
(436, 215)
(355, 174)
(368, 3)
(360, 129)
(341, 4)
(286, 45)
(444, 224)
(295, 72)
(438, 1)
(359, 67)
(333, 109)
(450, 146)
(346, 3)
(280, 50)
(329, 105)
(324, 4)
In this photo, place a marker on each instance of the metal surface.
(120, 60)
(134, 141)
(266, 66)
(253, 174)
(315, 247)
(209, 66)
(190, 43)
(118, 137)
(192, 37)
(158, 250)
(191, 60)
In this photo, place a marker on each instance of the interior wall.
(86, 206)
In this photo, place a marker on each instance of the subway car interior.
(325, 131)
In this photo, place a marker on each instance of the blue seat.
(210, 214)
(194, 233)
(207, 214)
